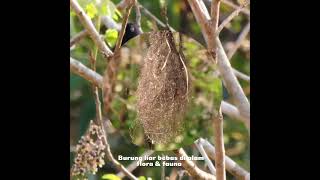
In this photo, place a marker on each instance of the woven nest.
(163, 89)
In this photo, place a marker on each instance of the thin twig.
(231, 166)
(234, 113)
(191, 167)
(228, 3)
(230, 17)
(95, 78)
(78, 37)
(153, 17)
(206, 158)
(123, 27)
(138, 16)
(241, 75)
(87, 23)
(239, 40)
(134, 164)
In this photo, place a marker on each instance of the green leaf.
(91, 10)
(110, 177)
(142, 178)
(111, 37)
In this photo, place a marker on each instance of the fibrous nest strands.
(163, 89)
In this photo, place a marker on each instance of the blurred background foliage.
(82, 105)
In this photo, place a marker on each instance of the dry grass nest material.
(163, 89)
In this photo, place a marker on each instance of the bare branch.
(238, 42)
(228, 3)
(215, 13)
(153, 17)
(123, 27)
(134, 165)
(78, 37)
(110, 23)
(191, 168)
(234, 113)
(231, 166)
(138, 16)
(231, 82)
(87, 23)
(241, 75)
(206, 158)
(230, 17)
(83, 71)
(219, 142)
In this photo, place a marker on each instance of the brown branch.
(231, 166)
(87, 23)
(239, 40)
(215, 13)
(219, 142)
(78, 37)
(191, 167)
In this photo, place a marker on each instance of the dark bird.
(131, 31)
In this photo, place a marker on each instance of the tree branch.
(78, 37)
(219, 142)
(241, 75)
(230, 17)
(138, 16)
(83, 71)
(231, 166)
(228, 3)
(230, 81)
(234, 113)
(191, 168)
(239, 40)
(206, 158)
(87, 23)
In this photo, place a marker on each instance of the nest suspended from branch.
(163, 89)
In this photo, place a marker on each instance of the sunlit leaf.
(91, 10)
(110, 177)
(111, 36)
(142, 178)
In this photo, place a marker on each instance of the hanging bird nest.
(163, 89)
